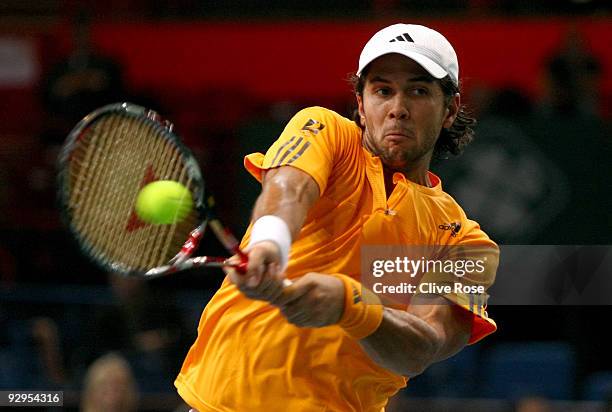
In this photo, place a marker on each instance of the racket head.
(109, 156)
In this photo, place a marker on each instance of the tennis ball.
(163, 202)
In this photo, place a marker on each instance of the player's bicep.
(288, 193)
(291, 178)
(452, 323)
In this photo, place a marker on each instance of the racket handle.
(241, 267)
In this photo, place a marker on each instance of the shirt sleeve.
(310, 142)
(482, 248)
(475, 258)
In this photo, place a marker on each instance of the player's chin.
(396, 158)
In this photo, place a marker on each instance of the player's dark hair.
(452, 140)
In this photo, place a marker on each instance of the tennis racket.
(106, 160)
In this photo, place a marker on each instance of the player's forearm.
(287, 193)
(403, 343)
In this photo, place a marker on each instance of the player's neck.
(416, 171)
(419, 176)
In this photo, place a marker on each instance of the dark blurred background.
(537, 74)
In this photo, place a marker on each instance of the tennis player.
(331, 185)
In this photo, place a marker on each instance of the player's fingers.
(271, 292)
(278, 281)
(242, 283)
(298, 311)
(260, 256)
(235, 277)
(271, 285)
(302, 318)
(296, 291)
(263, 290)
(297, 318)
(232, 263)
(252, 275)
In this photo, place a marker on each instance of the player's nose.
(399, 109)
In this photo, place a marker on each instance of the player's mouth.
(397, 136)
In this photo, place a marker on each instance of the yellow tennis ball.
(163, 202)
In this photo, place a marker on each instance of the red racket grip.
(242, 266)
(244, 261)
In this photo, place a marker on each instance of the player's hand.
(312, 301)
(263, 279)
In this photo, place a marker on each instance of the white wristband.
(274, 229)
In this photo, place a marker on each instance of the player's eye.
(419, 91)
(383, 91)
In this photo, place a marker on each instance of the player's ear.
(360, 109)
(452, 110)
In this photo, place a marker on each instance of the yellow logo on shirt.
(313, 126)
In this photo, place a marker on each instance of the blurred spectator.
(80, 83)
(533, 404)
(505, 180)
(109, 386)
(568, 128)
(72, 88)
(553, 159)
(145, 326)
(573, 79)
(30, 353)
(46, 334)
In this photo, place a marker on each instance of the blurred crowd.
(538, 173)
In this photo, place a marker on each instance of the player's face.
(403, 111)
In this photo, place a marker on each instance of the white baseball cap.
(425, 46)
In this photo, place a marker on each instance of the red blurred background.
(229, 74)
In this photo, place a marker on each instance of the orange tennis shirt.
(247, 357)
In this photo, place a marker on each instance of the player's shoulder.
(470, 230)
(458, 219)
